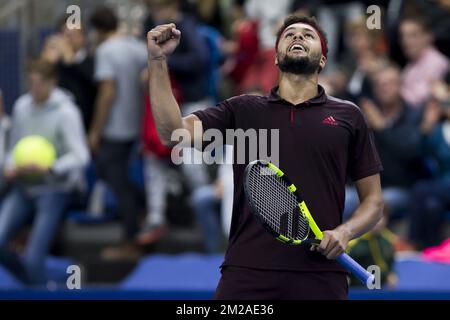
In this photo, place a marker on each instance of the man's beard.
(298, 65)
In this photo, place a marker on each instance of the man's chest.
(294, 128)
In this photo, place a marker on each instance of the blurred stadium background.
(170, 259)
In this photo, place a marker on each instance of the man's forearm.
(165, 109)
(102, 108)
(366, 216)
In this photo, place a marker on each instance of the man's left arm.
(366, 216)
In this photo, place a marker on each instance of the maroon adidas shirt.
(322, 141)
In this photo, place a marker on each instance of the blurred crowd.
(88, 96)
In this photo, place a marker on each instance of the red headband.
(322, 40)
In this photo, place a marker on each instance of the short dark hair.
(104, 19)
(292, 19)
(423, 22)
(40, 66)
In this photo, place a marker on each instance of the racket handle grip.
(356, 269)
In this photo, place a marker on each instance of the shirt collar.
(320, 98)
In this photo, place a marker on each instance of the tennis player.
(322, 140)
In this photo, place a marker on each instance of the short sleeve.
(104, 66)
(220, 117)
(364, 160)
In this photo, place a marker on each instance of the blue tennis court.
(195, 276)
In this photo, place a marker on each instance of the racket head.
(275, 202)
(271, 196)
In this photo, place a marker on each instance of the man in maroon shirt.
(322, 140)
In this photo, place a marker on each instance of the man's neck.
(298, 88)
(423, 52)
(42, 102)
(110, 35)
(39, 104)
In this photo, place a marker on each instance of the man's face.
(40, 87)
(359, 41)
(413, 39)
(387, 86)
(299, 50)
(75, 38)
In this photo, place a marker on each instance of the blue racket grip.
(355, 268)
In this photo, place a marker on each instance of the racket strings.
(275, 204)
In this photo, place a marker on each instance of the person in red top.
(156, 166)
(322, 140)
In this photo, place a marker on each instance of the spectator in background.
(263, 74)
(157, 169)
(331, 14)
(75, 67)
(441, 17)
(269, 17)
(364, 58)
(116, 125)
(242, 49)
(432, 196)
(188, 65)
(5, 125)
(397, 138)
(208, 199)
(376, 247)
(425, 62)
(304, 7)
(438, 14)
(211, 13)
(351, 79)
(45, 111)
(213, 40)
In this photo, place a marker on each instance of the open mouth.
(297, 48)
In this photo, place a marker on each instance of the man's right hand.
(162, 41)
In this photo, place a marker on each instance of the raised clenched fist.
(162, 40)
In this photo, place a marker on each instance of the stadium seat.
(188, 272)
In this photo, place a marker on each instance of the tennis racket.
(277, 204)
